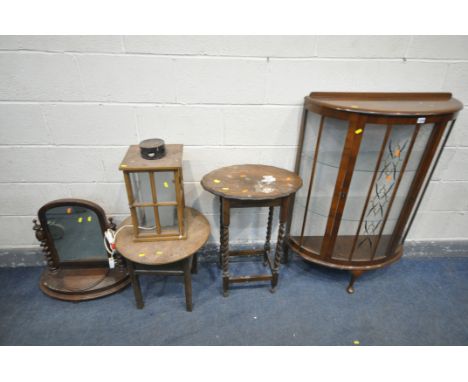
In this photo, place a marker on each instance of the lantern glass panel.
(165, 186)
(168, 219)
(146, 220)
(141, 187)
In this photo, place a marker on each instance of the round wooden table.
(252, 185)
(164, 257)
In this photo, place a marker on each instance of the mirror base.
(82, 284)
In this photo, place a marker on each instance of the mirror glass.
(76, 233)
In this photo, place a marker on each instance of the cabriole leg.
(354, 276)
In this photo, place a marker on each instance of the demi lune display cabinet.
(365, 160)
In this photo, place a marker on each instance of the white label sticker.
(111, 263)
(421, 120)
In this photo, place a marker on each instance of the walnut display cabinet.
(366, 160)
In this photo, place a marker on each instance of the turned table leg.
(135, 280)
(224, 240)
(280, 242)
(220, 255)
(285, 253)
(267, 246)
(188, 284)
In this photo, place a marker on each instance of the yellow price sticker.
(166, 185)
(358, 131)
(216, 181)
(80, 220)
(225, 189)
(89, 218)
(159, 253)
(356, 342)
(141, 255)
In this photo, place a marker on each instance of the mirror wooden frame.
(77, 280)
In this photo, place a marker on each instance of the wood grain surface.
(164, 252)
(134, 162)
(397, 104)
(251, 182)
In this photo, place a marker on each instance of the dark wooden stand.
(180, 268)
(245, 186)
(168, 258)
(225, 254)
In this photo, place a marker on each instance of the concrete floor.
(417, 301)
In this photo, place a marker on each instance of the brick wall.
(70, 106)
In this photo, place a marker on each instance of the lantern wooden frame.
(133, 163)
(353, 116)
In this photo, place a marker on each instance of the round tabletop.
(164, 251)
(251, 182)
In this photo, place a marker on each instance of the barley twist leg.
(267, 247)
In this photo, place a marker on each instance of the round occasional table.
(164, 257)
(252, 185)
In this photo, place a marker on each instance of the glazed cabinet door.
(354, 134)
(318, 166)
(385, 167)
(360, 181)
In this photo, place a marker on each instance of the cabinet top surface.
(394, 104)
(134, 162)
(251, 182)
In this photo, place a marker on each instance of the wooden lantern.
(155, 194)
(366, 160)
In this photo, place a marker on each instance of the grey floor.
(417, 301)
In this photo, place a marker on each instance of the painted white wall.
(70, 106)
